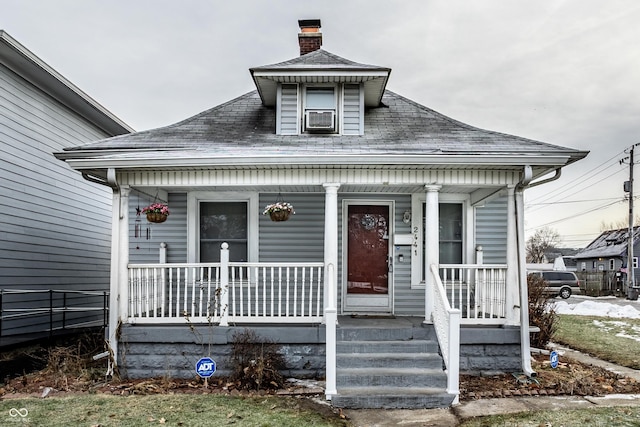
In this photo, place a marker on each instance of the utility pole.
(631, 286)
(632, 290)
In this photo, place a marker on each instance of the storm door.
(368, 268)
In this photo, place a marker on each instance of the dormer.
(319, 92)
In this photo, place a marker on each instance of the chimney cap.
(309, 23)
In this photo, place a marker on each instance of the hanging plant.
(156, 212)
(279, 211)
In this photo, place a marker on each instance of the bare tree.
(617, 225)
(540, 242)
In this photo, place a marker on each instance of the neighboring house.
(55, 225)
(607, 255)
(395, 207)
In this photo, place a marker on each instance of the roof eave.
(87, 160)
(27, 65)
(267, 80)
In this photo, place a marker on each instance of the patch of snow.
(596, 308)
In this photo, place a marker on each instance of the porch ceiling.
(352, 189)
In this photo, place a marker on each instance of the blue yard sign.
(205, 367)
(553, 357)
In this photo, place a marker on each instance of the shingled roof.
(610, 243)
(244, 127)
(398, 131)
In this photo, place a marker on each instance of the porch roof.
(241, 132)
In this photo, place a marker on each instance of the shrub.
(541, 312)
(256, 362)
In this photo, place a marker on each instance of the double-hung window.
(223, 222)
(217, 218)
(320, 109)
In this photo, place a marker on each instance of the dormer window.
(320, 109)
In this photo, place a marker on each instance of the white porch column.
(432, 247)
(512, 290)
(330, 311)
(331, 241)
(118, 288)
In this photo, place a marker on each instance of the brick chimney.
(310, 37)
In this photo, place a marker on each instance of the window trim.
(193, 220)
(337, 104)
(417, 231)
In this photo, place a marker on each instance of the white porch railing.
(446, 321)
(477, 290)
(249, 292)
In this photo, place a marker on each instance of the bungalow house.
(607, 255)
(56, 226)
(406, 249)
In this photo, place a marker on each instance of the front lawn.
(615, 340)
(166, 410)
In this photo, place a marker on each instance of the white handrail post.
(331, 318)
(479, 255)
(224, 284)
(453, 377)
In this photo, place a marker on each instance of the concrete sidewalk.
(450, 417)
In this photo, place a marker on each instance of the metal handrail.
(56, 306)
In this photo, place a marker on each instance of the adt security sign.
(553, 358)
(205, 367)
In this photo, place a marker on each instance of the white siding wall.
(55, 225)
(352, 111)
(288, 117)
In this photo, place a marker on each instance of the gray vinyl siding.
(145, 247)
(288, 117)
(301, 238)
(352, 110)
(491, 230)
(55, 225)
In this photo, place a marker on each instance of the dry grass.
(614, 340)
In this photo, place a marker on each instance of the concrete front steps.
(389, 363)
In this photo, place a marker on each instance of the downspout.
(525, 347)
(114, 322)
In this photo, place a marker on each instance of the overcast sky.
(562, 72)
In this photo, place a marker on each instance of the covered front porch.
(298, 274)
(270, 294)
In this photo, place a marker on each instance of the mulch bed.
(569, 378)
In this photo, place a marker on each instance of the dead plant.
(541, 312)
(256, 362)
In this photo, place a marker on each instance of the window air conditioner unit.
(320, 120)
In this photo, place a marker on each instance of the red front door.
(368, 230)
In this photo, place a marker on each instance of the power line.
(569, 188)
(589, 172)
(574, 216)
(572, 201)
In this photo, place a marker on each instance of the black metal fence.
(33, 314)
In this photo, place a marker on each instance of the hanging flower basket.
(279, 215)
(279, 211)
(156, 212)
(156, 217)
